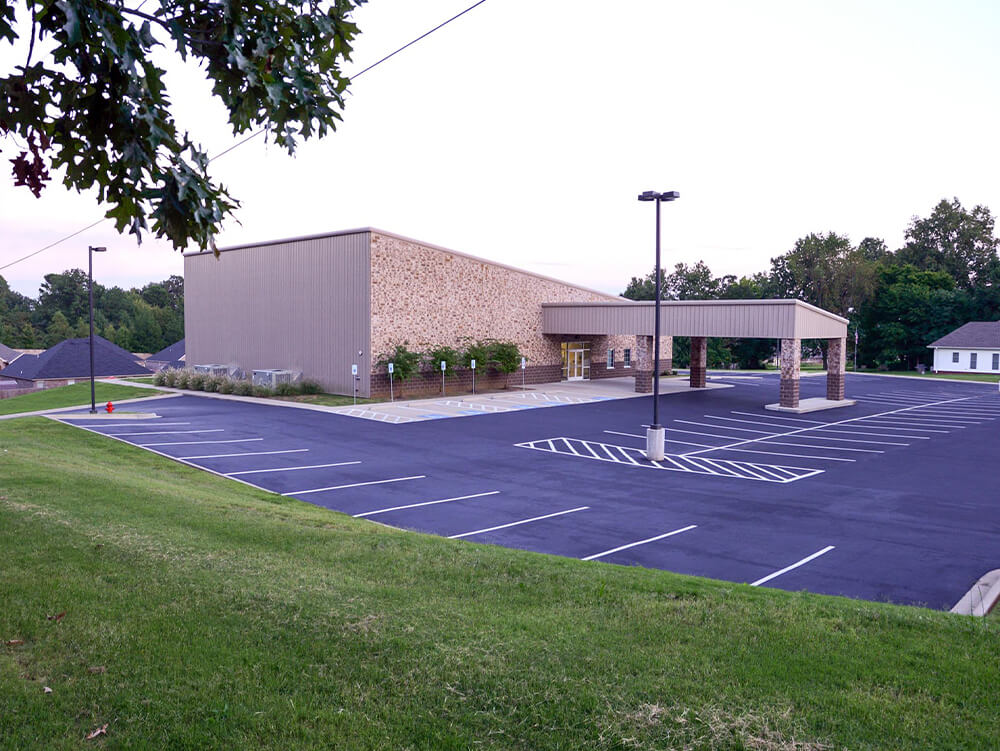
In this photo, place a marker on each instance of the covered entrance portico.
(791, 321)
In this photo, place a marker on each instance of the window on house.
(611, 359)
(627, 355)
(972, 361)
(996, 361)
(954, 356)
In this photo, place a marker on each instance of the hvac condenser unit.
(273, 378)
(214, 370)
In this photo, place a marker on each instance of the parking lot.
(892, 499)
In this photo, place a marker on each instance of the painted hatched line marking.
(634, 457)
(640, 542)
(518, 523)
(795, 565)
(355, 485)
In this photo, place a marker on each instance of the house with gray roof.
(7, 355)
(69, 361)
(971, 348)
(168, 357)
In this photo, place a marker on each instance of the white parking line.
(354, 485)
(868, 432)
(174, 432)
(288, 469)
(811, 438)
(157, 423)
(668, 440)
(838, 422)
(246, 453)
(640, 542)
(753, 440)
(515, 524)
(424, 503)
(189, 443)
(786, 569)
(899, 425)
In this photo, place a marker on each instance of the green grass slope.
(200, 613)
(71, 396)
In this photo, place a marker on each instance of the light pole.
(654, 433)
(90, 292)
(850, 311)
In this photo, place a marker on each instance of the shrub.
(196, 381)
(451, 357)
(181, 379)
(212, 383)
(160, 378)
(242, 388)
(505, 355)
(226, 386)
(262, 391)
(286, 389)
(406, 364)
(480, 352)
(310, 387)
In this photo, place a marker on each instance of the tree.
(826, 271)
(146, 336)
(27, 337)
(58, 330)
(954, 240)
(82, 328)
(96, 106)
(683, 283)
(67, 293)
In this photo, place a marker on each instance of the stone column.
(836, 368)
(699, 361)
(666, 354)
(791, 359)
(643, 364)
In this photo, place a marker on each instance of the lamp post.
(90, 292)
(654, 433)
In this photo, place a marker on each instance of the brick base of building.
(835, 386)
(789, 392)
(428, 383)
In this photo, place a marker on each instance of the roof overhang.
(756, 319)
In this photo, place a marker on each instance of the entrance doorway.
(575, 361)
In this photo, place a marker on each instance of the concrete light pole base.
(654, 444)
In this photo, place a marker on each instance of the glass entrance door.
(576, 361)
(574, 365)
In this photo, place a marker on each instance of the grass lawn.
(71, 396)
(987, 377)
(200, 613)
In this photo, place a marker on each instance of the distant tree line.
(947, 273)
(139, 320)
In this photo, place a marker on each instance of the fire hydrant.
(110, 408)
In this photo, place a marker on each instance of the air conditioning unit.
(214, 370)
(273, 378)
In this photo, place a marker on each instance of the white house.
(972, 348)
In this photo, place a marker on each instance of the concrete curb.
(982, 597)
(925, 379)
(58, 410)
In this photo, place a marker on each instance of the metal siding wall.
(302, 305)
(778, 320)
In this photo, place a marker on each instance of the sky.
(524, 131)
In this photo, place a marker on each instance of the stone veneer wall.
(431, 297)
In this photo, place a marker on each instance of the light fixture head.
(670, 195)
(101, 249)
(648, 195)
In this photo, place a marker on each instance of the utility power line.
(258, 132)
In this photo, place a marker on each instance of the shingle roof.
(7, 354)
(71, 359)
(169, 354)
(973, 335)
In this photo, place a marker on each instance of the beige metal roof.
(759, 319)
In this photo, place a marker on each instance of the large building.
(322, 304)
